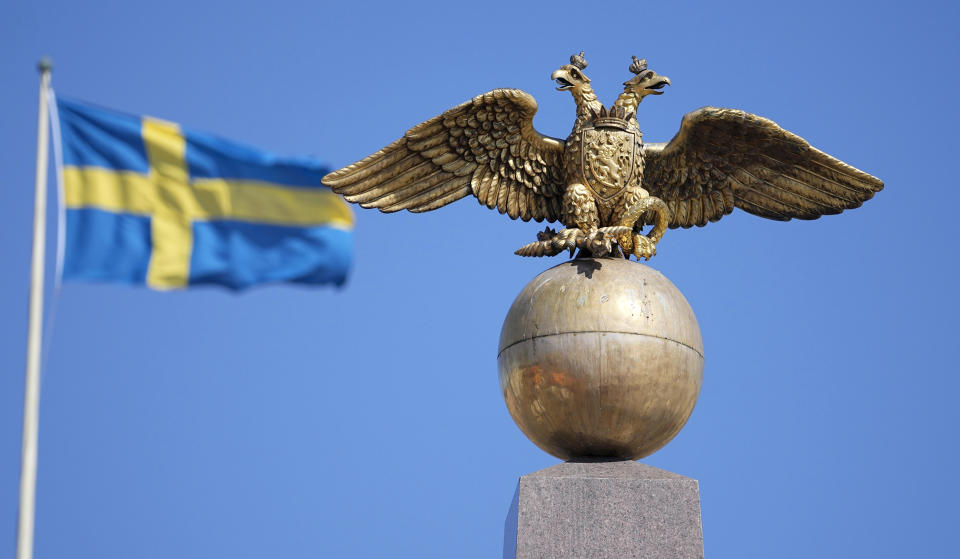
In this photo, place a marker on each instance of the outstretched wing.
(486, 147)
(725, 158)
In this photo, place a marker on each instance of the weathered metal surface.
(600, 357)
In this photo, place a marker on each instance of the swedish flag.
(150, 203)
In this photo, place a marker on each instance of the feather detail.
(481, 183)
(443, 188)
(396, 198)
(503, 192)
(398, 183)
(725, 158)
(443, 201)
(493, 193)
(373, 181)
(486, 147)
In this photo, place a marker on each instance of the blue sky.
(367, 421)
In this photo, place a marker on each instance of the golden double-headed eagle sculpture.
(603, 183)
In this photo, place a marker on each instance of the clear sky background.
(368, 421)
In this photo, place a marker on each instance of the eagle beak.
(560, 77)
(648, 83)
(659, 84)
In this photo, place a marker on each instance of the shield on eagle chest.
(609, 160)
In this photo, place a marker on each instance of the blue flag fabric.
(150, 203)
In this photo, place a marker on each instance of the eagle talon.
(599, 242)
(643, 247)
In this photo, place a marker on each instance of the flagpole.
(31, 397)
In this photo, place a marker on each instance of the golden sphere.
(600, 358)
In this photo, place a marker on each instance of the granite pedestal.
(594, 510)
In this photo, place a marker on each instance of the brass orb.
(600, 358)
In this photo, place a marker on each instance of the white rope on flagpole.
(31, 397)
(61, 230)
(61, 201)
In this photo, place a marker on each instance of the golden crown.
(616, 117)
(638, 65)
(578, 60)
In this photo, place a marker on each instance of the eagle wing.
(725, 158)
(486, 147)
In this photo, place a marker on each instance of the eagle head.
(571, 76)
(645, 82)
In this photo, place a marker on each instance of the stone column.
(604, 509)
